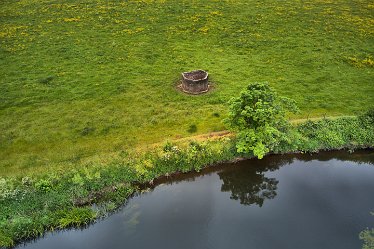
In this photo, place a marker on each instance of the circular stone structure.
(195, 82)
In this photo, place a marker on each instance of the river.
(289, 201)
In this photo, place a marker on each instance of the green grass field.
(82, 81)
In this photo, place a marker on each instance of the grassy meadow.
(84, 81)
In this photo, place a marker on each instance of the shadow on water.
(250, 185)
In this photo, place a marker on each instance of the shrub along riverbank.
(32, 206)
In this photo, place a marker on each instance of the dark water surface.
(293, 201)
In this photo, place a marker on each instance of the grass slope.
(84, 80)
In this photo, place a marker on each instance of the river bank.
(33, 205)
(241, 205)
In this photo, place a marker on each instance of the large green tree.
(258, 117)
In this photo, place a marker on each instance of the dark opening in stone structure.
(195, 82)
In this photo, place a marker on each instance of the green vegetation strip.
(31, 206)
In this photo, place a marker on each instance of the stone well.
(195, 82)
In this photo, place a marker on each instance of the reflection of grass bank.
(30, 206)
(368, 237)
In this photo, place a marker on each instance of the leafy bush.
(258, 117)
(44, 185)
(77, 179)
(9, 189)
(325, 134)
(6, 189)
(368, 117)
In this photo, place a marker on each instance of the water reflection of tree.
(247, 181)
